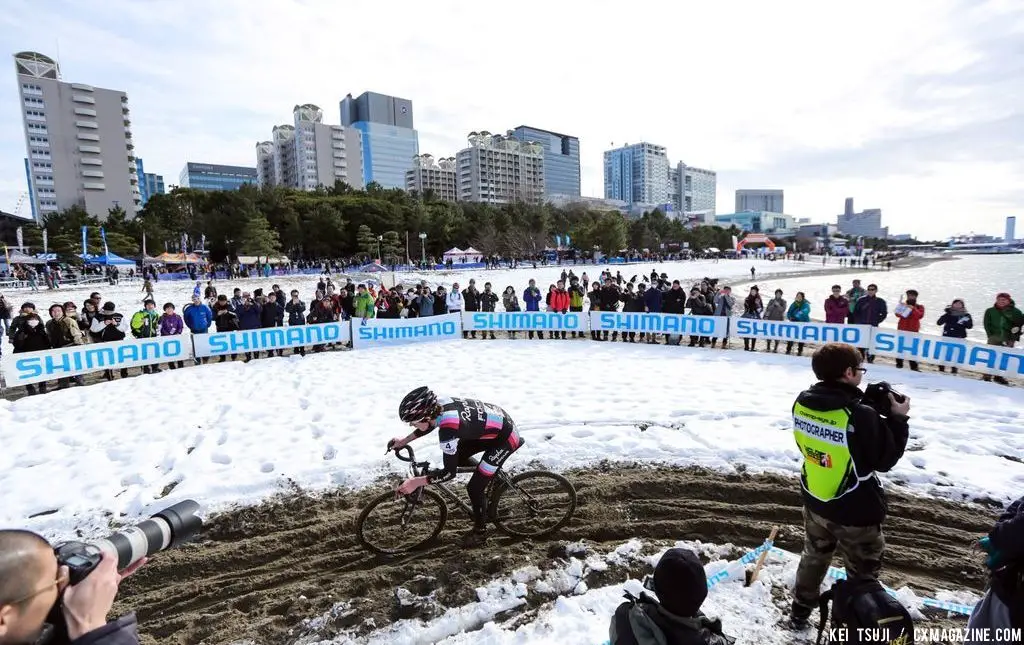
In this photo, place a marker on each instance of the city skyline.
(887, 123)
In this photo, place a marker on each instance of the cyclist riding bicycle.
(465, 427)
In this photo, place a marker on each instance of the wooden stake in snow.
(760, 559)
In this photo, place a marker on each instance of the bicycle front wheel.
(533, 504)
(389, 526)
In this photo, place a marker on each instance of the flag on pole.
(103, 236)
(558, 241)
(85, 238)
(567, 239)
(21, 240)
(202, 243)
(143, 245)
(184, 243)
(46, 243)
(7, 254)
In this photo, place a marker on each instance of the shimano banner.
(51, 364)
(380, 331)
(264, 340)
(523, 321)
(954, 352)
(621, 321)
(802, 332)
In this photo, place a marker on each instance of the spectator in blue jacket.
(532, 298)
(198, 317)
(955, 323)
(799, 311)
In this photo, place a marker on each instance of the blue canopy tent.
(109, 259)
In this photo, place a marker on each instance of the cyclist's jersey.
(473, 425)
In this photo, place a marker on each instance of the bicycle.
(519, 505)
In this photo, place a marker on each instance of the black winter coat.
(673, 301)
(471, 299)
(123, 631)
(698, 630)
(955, 325)
(26, 338)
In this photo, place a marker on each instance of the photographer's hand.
(900, 408)
(87, 604)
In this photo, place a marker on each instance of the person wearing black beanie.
(674, 617)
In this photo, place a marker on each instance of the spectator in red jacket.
(910, 314)
(560, 301)
(837, 306)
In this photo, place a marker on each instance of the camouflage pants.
(861, 548)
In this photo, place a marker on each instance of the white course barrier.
(48, 365)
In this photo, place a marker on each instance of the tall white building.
(310, 153)
(692, 189)
(436, 176)
(498, 169)
(78, 141)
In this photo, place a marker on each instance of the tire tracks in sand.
(258, 572)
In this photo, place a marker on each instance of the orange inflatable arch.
(755, 238)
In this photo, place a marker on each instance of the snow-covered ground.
(575, 614)
(235, 433)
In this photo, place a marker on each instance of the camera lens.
(170, 527)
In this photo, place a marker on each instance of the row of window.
(31, 101)
(38, 127)
(38, 139)
(35, 113)
(29, 86)
(42, 164)
(44, 177)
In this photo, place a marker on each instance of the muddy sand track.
(258, 572)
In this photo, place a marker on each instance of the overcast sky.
(912, 106)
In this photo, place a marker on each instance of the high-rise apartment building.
(283, 137)
(149, 183)
(325, 154)
(389, 139)
(561, 159)
(265, 175)
(436, 176)
(496, 169)
(767, 200)
(692, 189)
(310, 153)
(637, 173)
(78, 139)
(207, 176)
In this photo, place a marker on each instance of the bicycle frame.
(420, 468)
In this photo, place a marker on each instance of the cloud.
(820, 99)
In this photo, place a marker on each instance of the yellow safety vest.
(828, 470)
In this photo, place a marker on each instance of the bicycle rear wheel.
(533, 504)
(389, 526)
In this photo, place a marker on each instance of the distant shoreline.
(913, 262)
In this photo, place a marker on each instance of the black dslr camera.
(876, 395)
(170, 527)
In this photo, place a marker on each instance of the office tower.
(561, 159)
(637, 173)
(389, 139)
(767, 200)
(206, 176)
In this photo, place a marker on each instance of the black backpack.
(863, 604)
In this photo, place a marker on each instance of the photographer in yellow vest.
(845, 436)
